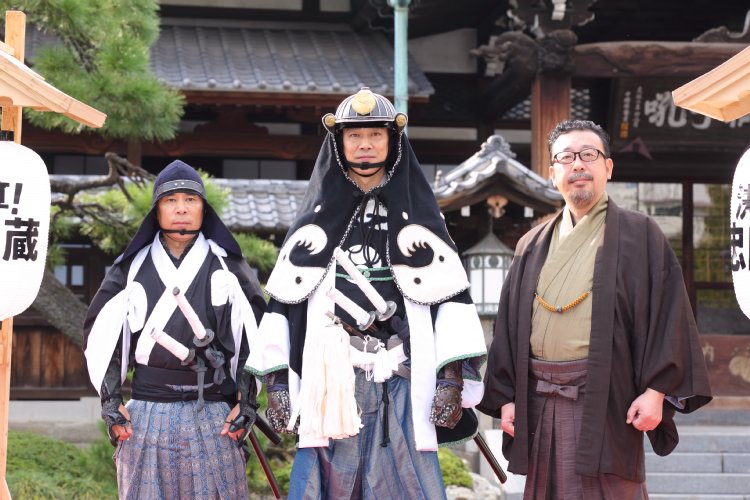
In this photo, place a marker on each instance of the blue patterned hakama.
(176, 452)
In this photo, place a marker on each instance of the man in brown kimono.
(595, 340)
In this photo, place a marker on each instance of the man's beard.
(581, 197)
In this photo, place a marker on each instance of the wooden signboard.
(643, 109)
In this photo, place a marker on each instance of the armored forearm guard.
(279, 406)
(446, 406)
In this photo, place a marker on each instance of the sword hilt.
(205, 340)
(189, 359)
(389, 310)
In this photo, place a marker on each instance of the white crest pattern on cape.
(290, 283)
(430, 283)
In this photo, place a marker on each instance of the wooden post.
(135, 151)
(550, 104)
(6, 344)
(23, 87)
(15, 37)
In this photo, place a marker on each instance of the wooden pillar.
(550, 104)
(688, 255)
(15, 37)
(135, 152)
(6, 344)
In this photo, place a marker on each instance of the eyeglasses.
(586, 155)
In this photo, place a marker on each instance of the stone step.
(711, 462)
(699, 462)
(708, 416)
(682, 496)
(693, 483)
(710, 439)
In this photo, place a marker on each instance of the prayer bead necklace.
(561, 309)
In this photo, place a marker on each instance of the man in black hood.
(369, 409)
(178, 307)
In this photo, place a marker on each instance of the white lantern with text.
(739, 233)
(24, 218)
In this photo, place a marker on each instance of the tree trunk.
(58, 305)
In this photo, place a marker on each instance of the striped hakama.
(176, 452)
(556, 395)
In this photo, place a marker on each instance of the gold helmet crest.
(365, 109)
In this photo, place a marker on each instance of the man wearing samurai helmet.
(372, 391)
(180, 306)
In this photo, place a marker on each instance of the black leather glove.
(446, 408)
(112, 416)
(279, 406)
(247, 403)
(111, 397)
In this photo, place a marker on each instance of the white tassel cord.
(326, 403)
(310, 399)
(340, 414)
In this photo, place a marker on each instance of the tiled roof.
(270, 205)
(253, 205)
(265, 57)
(495, 163)
(261, 205)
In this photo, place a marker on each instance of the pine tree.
(98, 52)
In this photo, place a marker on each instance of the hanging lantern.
(487, 264)
(24, 218)
(739, 233)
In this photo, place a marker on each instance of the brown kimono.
(643, 335)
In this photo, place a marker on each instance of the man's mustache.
(578, 176)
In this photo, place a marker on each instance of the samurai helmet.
(365, 109)
(178, 176)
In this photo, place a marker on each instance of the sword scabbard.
(490, 457)
(264, 463)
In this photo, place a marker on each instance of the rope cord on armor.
(386, 437)
(366, 230)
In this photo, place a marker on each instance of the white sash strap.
(159, 316)
(170, 276)
(423, 376)
(225, 287)
(123, 313)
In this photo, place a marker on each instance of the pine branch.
(119, 169)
